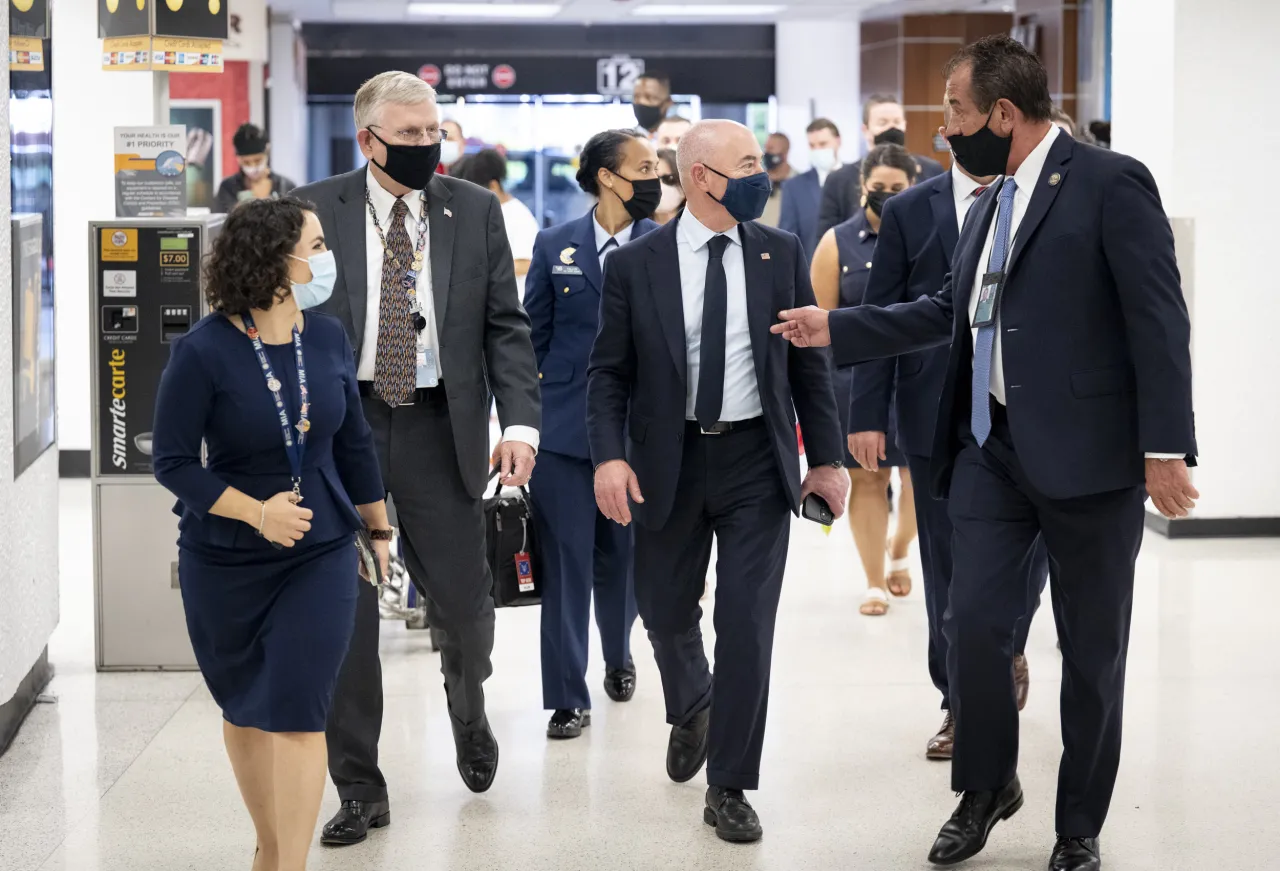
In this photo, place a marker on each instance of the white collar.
(384, 202)
(961, 184)
(1028, 174)
(603, 236)
(696, 234)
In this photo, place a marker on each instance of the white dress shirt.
(383, 203)
(603, 237)
(965, 190)
(741, 391)
(1027, 177)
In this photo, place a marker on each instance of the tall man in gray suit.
(426, 288)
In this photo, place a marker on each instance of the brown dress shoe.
(941, 744)
(1021, 679)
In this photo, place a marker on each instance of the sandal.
(876, 603)
(899, 577)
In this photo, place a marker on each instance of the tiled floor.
(125, 772)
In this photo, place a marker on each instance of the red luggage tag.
(524, 572)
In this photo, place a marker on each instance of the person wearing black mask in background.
(884, 122)
(582, 550)
(841, 268)
(777, 148)
(255, 180)
(651, 101)
(426, 290)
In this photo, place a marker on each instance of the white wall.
(288, 108)
(818, 64)
(88, 103)
(29, 505)
(1193, 87)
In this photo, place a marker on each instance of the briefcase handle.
(497, 486)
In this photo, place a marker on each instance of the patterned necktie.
(395, 372)
(715, 316)
(980, 415)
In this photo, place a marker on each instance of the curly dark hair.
(248, 267)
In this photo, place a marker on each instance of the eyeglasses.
(415, 135)
(670, 179)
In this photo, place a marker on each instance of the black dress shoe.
(568, 723)
(732, 815)
(620, 683)
(353, 822)
(1076, 854)
(687, 748)
(477, 754)
(965, 834)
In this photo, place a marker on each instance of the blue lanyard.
(295, 448)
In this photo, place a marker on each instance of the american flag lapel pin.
(764, 256)
(448, 214)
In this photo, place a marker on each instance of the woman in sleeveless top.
(841, 268)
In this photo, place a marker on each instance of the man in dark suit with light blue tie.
(1068, 389)
(691, 414)
(918, 234)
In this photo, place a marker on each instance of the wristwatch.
(381, 534)
(837, 464)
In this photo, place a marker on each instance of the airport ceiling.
(619, 11)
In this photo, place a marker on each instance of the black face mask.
(892, 136)
(982, 153)
(646, 193)
(772, 161)
(409, 165)
(877, 199)
(648, 117)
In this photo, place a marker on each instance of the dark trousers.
(442, 529)
(582, 552)
(1093, 542)
(933, 524)
(729, 487)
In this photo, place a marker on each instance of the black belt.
(421, 395)
(725, 426)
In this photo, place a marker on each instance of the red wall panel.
(231, 88)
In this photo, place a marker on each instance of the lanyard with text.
(410, 281)
(295, 448)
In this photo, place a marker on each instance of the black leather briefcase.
(512, 548)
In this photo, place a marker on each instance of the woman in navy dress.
(583, 552)
(841, 267)
(267, 561)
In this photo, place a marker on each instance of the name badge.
(561, 269)
(988, 299)
(428, 373)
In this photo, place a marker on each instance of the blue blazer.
(918, 234)
(562, 298)
(213, 391)
(1096, 336)
(638, 382)
(801, 201)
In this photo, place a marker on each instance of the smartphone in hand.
(815, 508)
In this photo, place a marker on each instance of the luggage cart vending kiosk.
(146, 290)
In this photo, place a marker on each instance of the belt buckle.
(710, 432)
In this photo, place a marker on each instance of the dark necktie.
(715, 310)
(396, 371)
(606, 248)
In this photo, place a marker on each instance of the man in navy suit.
(802, 195)
(918, 233)
(1068, 389)
(691, 413)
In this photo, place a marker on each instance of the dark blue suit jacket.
(1096, 337)
(918, 233)
(638, 380)
(801, 200)
(563, 303)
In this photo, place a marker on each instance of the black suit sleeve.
(1138, 244)
(508, 352)
(834, 208)
(865, 332)
(539, 301)
(611, 370)
(225, 200)
(812, 391)
(873, 381)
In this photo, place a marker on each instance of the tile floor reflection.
(125, 772)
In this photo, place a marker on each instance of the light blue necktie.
(980, 416)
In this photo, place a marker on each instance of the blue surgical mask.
(324, 273)
(745, 198)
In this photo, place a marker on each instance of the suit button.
(868, 264)
(566, 290)
(539, 376)
(679, 436)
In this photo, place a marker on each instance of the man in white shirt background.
(426, 289)
(488, 168)
(691, 412)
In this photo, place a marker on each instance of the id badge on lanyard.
(294, 447)
(988, 299)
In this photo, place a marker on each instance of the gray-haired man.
(427, 291)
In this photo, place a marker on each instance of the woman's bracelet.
(262, 524)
